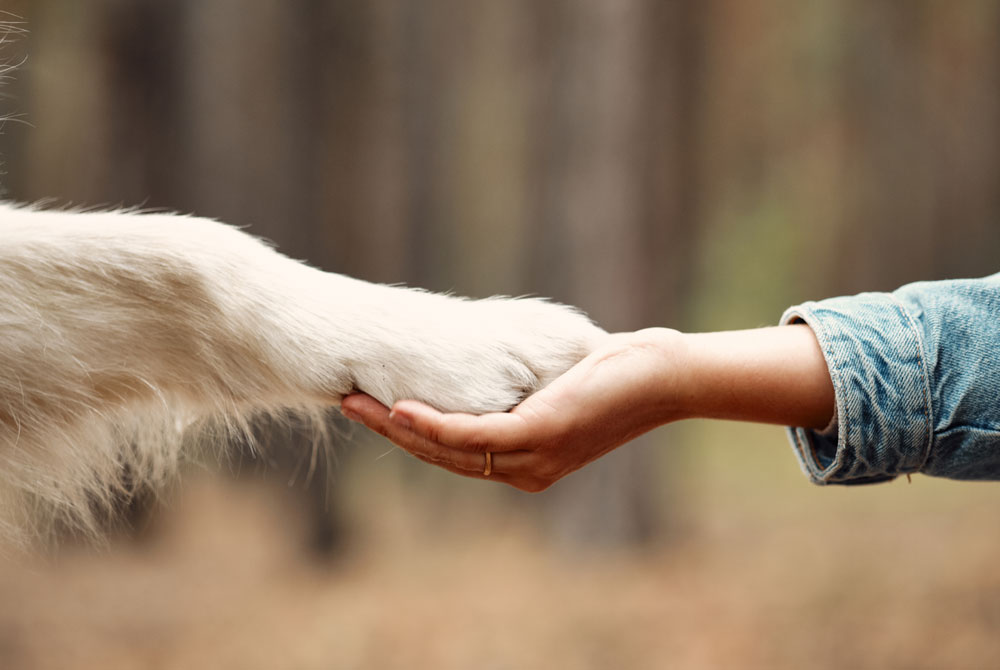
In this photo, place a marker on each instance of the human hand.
(616, 393)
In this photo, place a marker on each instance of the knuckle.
(432, 432)
(477, 442)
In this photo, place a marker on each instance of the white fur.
(125, 335)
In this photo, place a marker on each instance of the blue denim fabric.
(917, 379)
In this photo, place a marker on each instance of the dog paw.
(475, 355)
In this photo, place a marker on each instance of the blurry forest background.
(700, 165)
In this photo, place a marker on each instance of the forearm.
(768, 375)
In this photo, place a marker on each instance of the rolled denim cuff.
(874, 352)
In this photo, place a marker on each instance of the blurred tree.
(618, 195)
(921, 104)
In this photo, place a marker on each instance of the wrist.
(667, 380)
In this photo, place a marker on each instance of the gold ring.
(489, 465)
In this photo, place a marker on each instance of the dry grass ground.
(764, 572)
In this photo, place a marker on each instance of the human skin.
(629, 385)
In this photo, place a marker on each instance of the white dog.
(125, 335)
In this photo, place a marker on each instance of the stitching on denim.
(806, 315)
(840, 396)
(927, 409)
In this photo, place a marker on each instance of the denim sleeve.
(916, 375)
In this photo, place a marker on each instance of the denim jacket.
(916, 375)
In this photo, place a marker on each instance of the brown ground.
(767, 572)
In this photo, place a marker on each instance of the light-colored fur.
(126, 336)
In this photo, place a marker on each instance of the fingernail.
(400, 420)
(350, 415)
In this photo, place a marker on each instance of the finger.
(482, 433)
(468, 462)
(477, 433)
(514, 463)
(519, 482)
(474, 474)
(505, 465)
(362, 407)
(375, 415)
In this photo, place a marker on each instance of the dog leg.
(119, 332)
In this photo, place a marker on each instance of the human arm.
(630, 385)
(914, 376)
